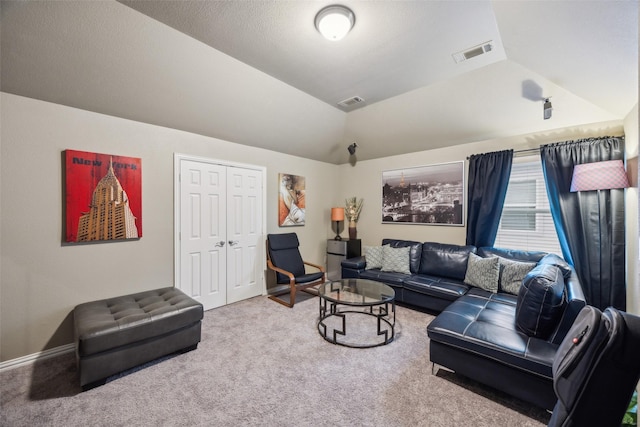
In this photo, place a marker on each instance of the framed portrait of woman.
(291, 200)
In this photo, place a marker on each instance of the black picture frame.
(425, 195)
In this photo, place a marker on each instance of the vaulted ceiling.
(181, 64)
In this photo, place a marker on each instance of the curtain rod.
(521, 153)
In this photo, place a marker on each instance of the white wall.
(631, 212)
(41, 280)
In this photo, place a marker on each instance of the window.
(526, 221)
(519, 210)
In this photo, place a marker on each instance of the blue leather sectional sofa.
(505, 340)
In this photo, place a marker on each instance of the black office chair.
(596, 369)
(283, 257)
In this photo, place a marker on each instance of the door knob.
(220, 244)
(233, 242)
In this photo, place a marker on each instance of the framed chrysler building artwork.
(103, 197)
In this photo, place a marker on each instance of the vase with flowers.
(353, 206)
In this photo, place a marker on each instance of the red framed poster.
(103, 197)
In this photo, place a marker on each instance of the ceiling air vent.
(350, 102)
(473, 52)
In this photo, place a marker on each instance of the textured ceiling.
(181, 64)
(394, 47)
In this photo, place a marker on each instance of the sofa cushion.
(445, 260)
(512, 273)
(395, 259)
(540, 301)
(388, 277)
(483, 272)
(373, 255)
(415, 251)
(439, 287)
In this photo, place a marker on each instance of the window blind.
(526, 221)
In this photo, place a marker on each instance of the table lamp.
(337, 215)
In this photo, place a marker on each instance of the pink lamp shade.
(337, 214)
(605, 175)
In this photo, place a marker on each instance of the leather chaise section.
(485, 325)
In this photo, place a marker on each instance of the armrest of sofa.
(575, 300)
(352, 267)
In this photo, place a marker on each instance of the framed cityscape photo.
(431, 195)
(103, 197)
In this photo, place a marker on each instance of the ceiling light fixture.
(334, 22)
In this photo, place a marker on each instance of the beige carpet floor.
(262, 364)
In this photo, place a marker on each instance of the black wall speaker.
(547, 108)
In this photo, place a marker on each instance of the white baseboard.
(41, 355)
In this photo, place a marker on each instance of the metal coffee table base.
(382, 313)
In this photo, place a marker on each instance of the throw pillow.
(395, 259)
(373, 256)
(512, 273)
(483, 272)
(540, 301)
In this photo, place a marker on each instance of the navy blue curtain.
(488, 180)
(590, 224)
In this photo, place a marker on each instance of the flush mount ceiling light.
(334, 22)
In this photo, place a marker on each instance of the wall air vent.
(350, 102)
(473, 52)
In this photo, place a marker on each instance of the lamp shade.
(337, 214)
(605, 175)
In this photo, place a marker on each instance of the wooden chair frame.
(293, 286)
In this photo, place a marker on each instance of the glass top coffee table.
(370, 307)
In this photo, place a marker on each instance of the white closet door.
(220, 246)
(244, 233)
(203, 232)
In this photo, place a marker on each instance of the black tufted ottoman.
(116, 334)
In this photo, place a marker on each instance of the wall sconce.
(337, 215)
